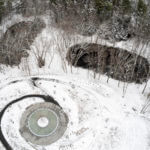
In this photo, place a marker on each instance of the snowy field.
(102, 116)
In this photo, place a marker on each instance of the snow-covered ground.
(102, 116)
(99, 117)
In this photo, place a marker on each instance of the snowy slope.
(102, 116)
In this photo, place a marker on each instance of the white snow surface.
(43, 122)
(102, 116)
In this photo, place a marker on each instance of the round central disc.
(43, 122)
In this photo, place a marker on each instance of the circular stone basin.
(43, 123)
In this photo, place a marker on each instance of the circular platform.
(43, 123)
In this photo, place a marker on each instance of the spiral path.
(59, 113)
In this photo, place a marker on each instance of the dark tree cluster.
(5, 8)
(116, 63)
(86, 16)
(17, 40)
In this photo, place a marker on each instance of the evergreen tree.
(126, 6)
(103, 6)
(53, 1)
(141, 8)
(2, 9)
(116, 2)
(9, 5)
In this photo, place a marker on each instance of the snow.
(99, 117)
(43, 122)
(102, 116)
